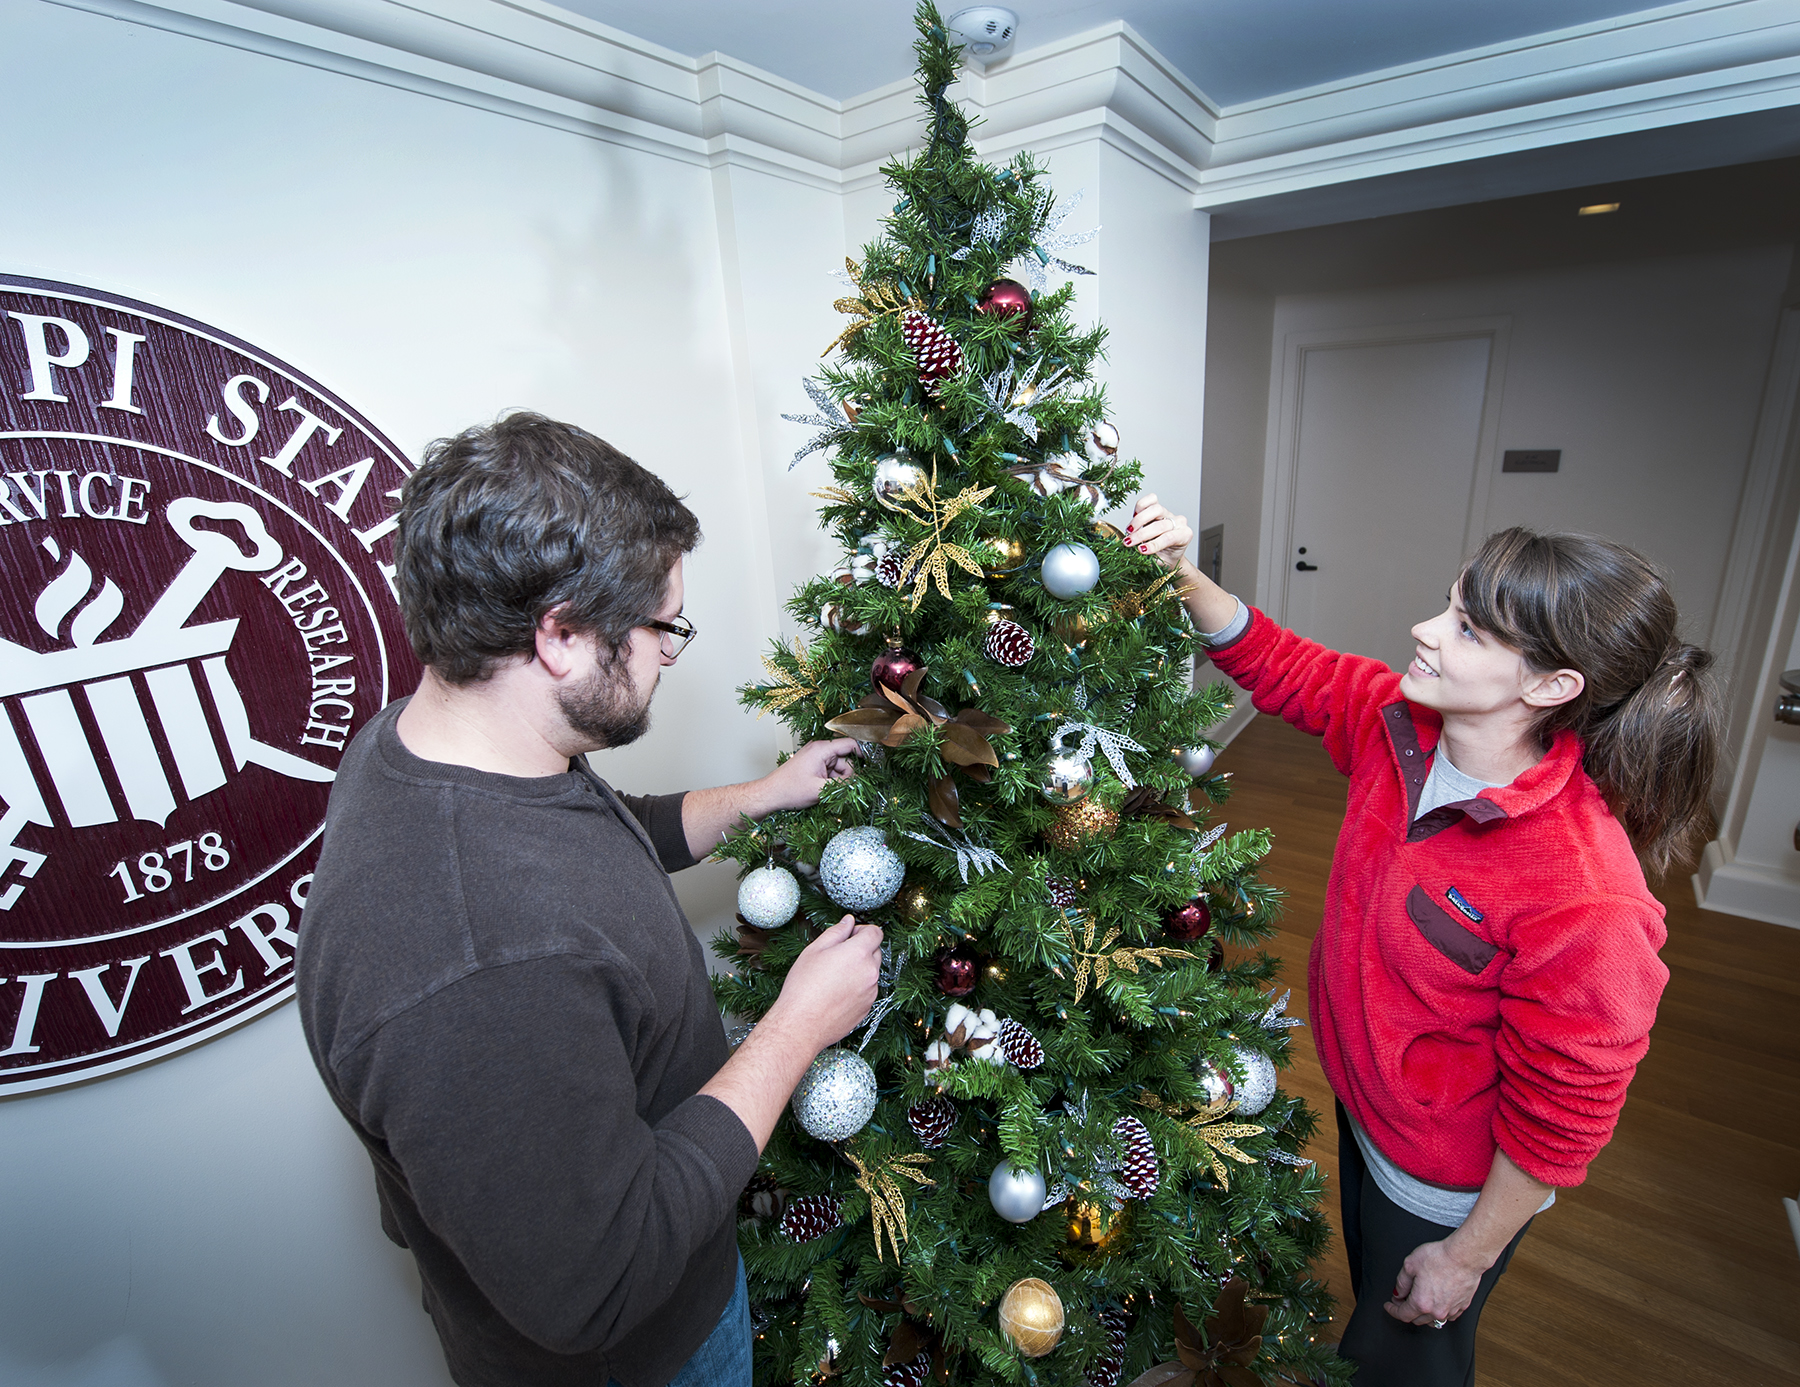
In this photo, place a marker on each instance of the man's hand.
(832, 985)
(796, 782)
(707, 815)
(828, 991)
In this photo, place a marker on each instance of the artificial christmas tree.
(1054, 1165)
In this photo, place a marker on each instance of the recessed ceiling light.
(1595, 209)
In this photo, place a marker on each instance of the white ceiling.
(1233, 50)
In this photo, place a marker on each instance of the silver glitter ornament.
(1257, 1086)
(1069, 570)
(1063, 778)
(1195, 760)
(837, 1095)
(1017, 1195)
(894, 472)
(1216, 1085)
(768, 897)
(859, 870)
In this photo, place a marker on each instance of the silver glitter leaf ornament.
(831, 422)
(859, 870)
(836, 1097)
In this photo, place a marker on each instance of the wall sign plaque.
(196, 615)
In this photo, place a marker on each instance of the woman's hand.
(1433, 1287)
(1153, 530)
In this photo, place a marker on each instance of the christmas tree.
(1055, 1153)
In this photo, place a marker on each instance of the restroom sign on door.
(197, 614)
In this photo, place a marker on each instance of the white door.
(1384, 459)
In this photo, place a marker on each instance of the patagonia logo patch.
(1461, 903)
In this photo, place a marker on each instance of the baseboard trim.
(1739, 888)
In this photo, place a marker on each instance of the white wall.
(210, 1219)
(1647, 374)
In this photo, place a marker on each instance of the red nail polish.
(1143, 548)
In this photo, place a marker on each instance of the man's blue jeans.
(724, 1359)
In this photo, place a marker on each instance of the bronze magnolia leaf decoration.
(1220, 1358)
(890, 716)
(1147, 802)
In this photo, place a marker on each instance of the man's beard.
(606, 708)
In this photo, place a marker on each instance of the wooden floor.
(1673, 1265)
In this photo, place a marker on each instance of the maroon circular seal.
(197, 614)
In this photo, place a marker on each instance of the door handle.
(1304, 567)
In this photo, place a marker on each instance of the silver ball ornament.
(859, 870)
(836, 1097)
(1257, 1086)
(894, 473)
(1195, 760)
(1070, 570)
(1216, 1084)
(1064, 777)
(768, 897)
(1017, 1195)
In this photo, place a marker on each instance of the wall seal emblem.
(197, 614)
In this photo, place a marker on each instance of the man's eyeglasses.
(675, 634)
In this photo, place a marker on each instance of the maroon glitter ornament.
(1189, 922)
(893, 665)
(1007, 298)
(956, 973)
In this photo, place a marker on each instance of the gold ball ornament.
(1096, 1232)
(914, 904)
(1031, 1315)
(1011, 551)
(1077, 825)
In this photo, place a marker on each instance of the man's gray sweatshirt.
(506, 1001)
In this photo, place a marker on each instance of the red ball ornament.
(956, 973)
(1007, 298)
(1189, 922)
(893, 665)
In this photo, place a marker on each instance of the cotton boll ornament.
(859, 870)
(768, 897)
(836, 1097)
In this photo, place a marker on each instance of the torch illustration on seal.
(174, 659)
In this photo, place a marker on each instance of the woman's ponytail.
(1653, 756)
(1650, 716)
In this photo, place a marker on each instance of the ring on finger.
(1439, 1324)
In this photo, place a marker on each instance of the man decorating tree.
(496, 980)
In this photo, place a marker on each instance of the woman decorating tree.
(1485, 977)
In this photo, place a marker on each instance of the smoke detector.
(985, 31)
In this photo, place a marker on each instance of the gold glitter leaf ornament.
(931, 557)
(887, 1200)
(873, 301)
(1210, 1133)
(1099, 963)
(792, 686)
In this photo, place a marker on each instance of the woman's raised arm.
(1166, 537)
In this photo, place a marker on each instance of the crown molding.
(1695, 61)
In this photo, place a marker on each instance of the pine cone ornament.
(810, 1216)
(1023, 1051)
(911, 1374)
(889, 571)
(1109, 1367)
(931, 1121)
(761, 1197)
(1009, 644)
(933, 349)
(1062, 893)
(1141, 1174)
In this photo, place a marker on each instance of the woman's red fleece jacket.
(1485, 976)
